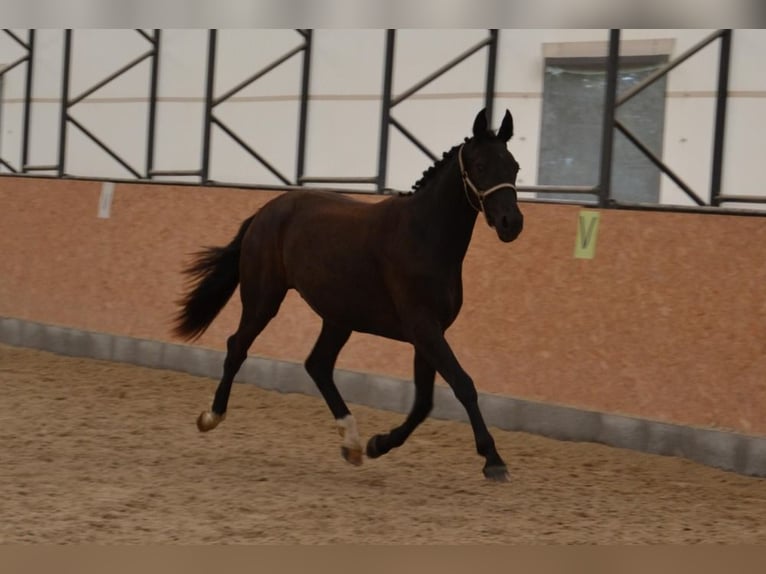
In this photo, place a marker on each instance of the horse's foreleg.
(320, 365)
(425, 374)
(429, 340)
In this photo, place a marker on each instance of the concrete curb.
(735, 452)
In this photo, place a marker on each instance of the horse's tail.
(214, 276)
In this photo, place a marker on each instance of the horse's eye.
(480, 167)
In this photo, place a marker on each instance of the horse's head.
(489, 176)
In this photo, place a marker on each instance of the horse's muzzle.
(509, 227)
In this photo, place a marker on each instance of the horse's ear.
(506, 128)
(480, 123)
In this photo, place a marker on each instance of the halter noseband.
(481, 195)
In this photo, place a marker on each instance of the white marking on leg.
(349, 432)
(208, 420)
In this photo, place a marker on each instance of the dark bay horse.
(392, 268)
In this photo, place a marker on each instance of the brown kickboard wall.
(666, 322)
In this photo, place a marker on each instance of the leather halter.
(481, 195)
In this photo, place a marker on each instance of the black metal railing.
(600, 192)
(68, 102)
(613, 102)
(27, 59)
(389, 101)
(212, 101)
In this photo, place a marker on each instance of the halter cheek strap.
(481, 195)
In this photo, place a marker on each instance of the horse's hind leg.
(256, 314)
(320, 365)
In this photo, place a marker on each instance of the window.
(572, 116)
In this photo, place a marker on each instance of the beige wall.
(668, 321)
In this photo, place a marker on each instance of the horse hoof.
(372, 447)
(497, 473)
(352, 455)
(207, 421)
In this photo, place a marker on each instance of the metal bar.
(250, 150)
(667, 67)
(18, 40)
(152, 119)
(105, 147)
(244, 83)
(181, 172)
(445, 68)
(210, 86)
(28, 168)
(702, 210)
(544, 201)
(352, 179)
(741, 199)
(304, 105)
(146, 36)
(489, 93)
(658, 162)
(580, 189)
(9, 166)
(2, 89)
(64, 100)
(724, 58)
(385, 114)
(214, 183)
(305, 33)
(27, 102)
(12, 65)
(607, 127)
(406, 133)
(111, 77)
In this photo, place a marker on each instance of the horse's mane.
(429, 174)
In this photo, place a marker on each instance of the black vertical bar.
(385, 114)
(489, 94)
(607, 134)
(27, 102)
(153, 88)
(302, 120)
(2, 161)
(206, 143)
(64, 101)
(724, 58)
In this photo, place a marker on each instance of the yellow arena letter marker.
(587, 232)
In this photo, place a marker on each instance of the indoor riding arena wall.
(667, 323)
